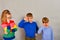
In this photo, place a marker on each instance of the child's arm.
(36, 28)
(13, 27)
(4, 26)
(52, 35)
(40, 30)
(21, 23)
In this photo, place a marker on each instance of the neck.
(46, 26)
(30, 21)
(8, 20)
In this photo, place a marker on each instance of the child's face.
(30, 19)
(46, 24)
(8, 16)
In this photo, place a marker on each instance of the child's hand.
(6, 33)
(36, 34)
(26, 19)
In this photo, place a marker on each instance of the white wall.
(39, 8)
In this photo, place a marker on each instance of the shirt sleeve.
(36, 28)
(4, 26)
(14, 26)
(52, 35)
(21, 23)
(40, 30)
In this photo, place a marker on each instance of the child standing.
(30, 27)
(46, 30)
(8, 25)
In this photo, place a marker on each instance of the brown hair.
(45, 20)
(3, 16)
(29, 15)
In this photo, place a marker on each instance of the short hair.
(29, 15)
(45, 20)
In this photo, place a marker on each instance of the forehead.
(30, 17)
(45, 23)
(8, 14)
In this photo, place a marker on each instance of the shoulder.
(41, 27)
(35, 22)
(50, 27)
(3, 23)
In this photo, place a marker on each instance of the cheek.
(45, 24)
(30, 19)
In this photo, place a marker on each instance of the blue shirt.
(29, 28)
(47, 33)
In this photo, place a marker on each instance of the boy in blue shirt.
(46, 30)
(30, 27)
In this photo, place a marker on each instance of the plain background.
(39, 8)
